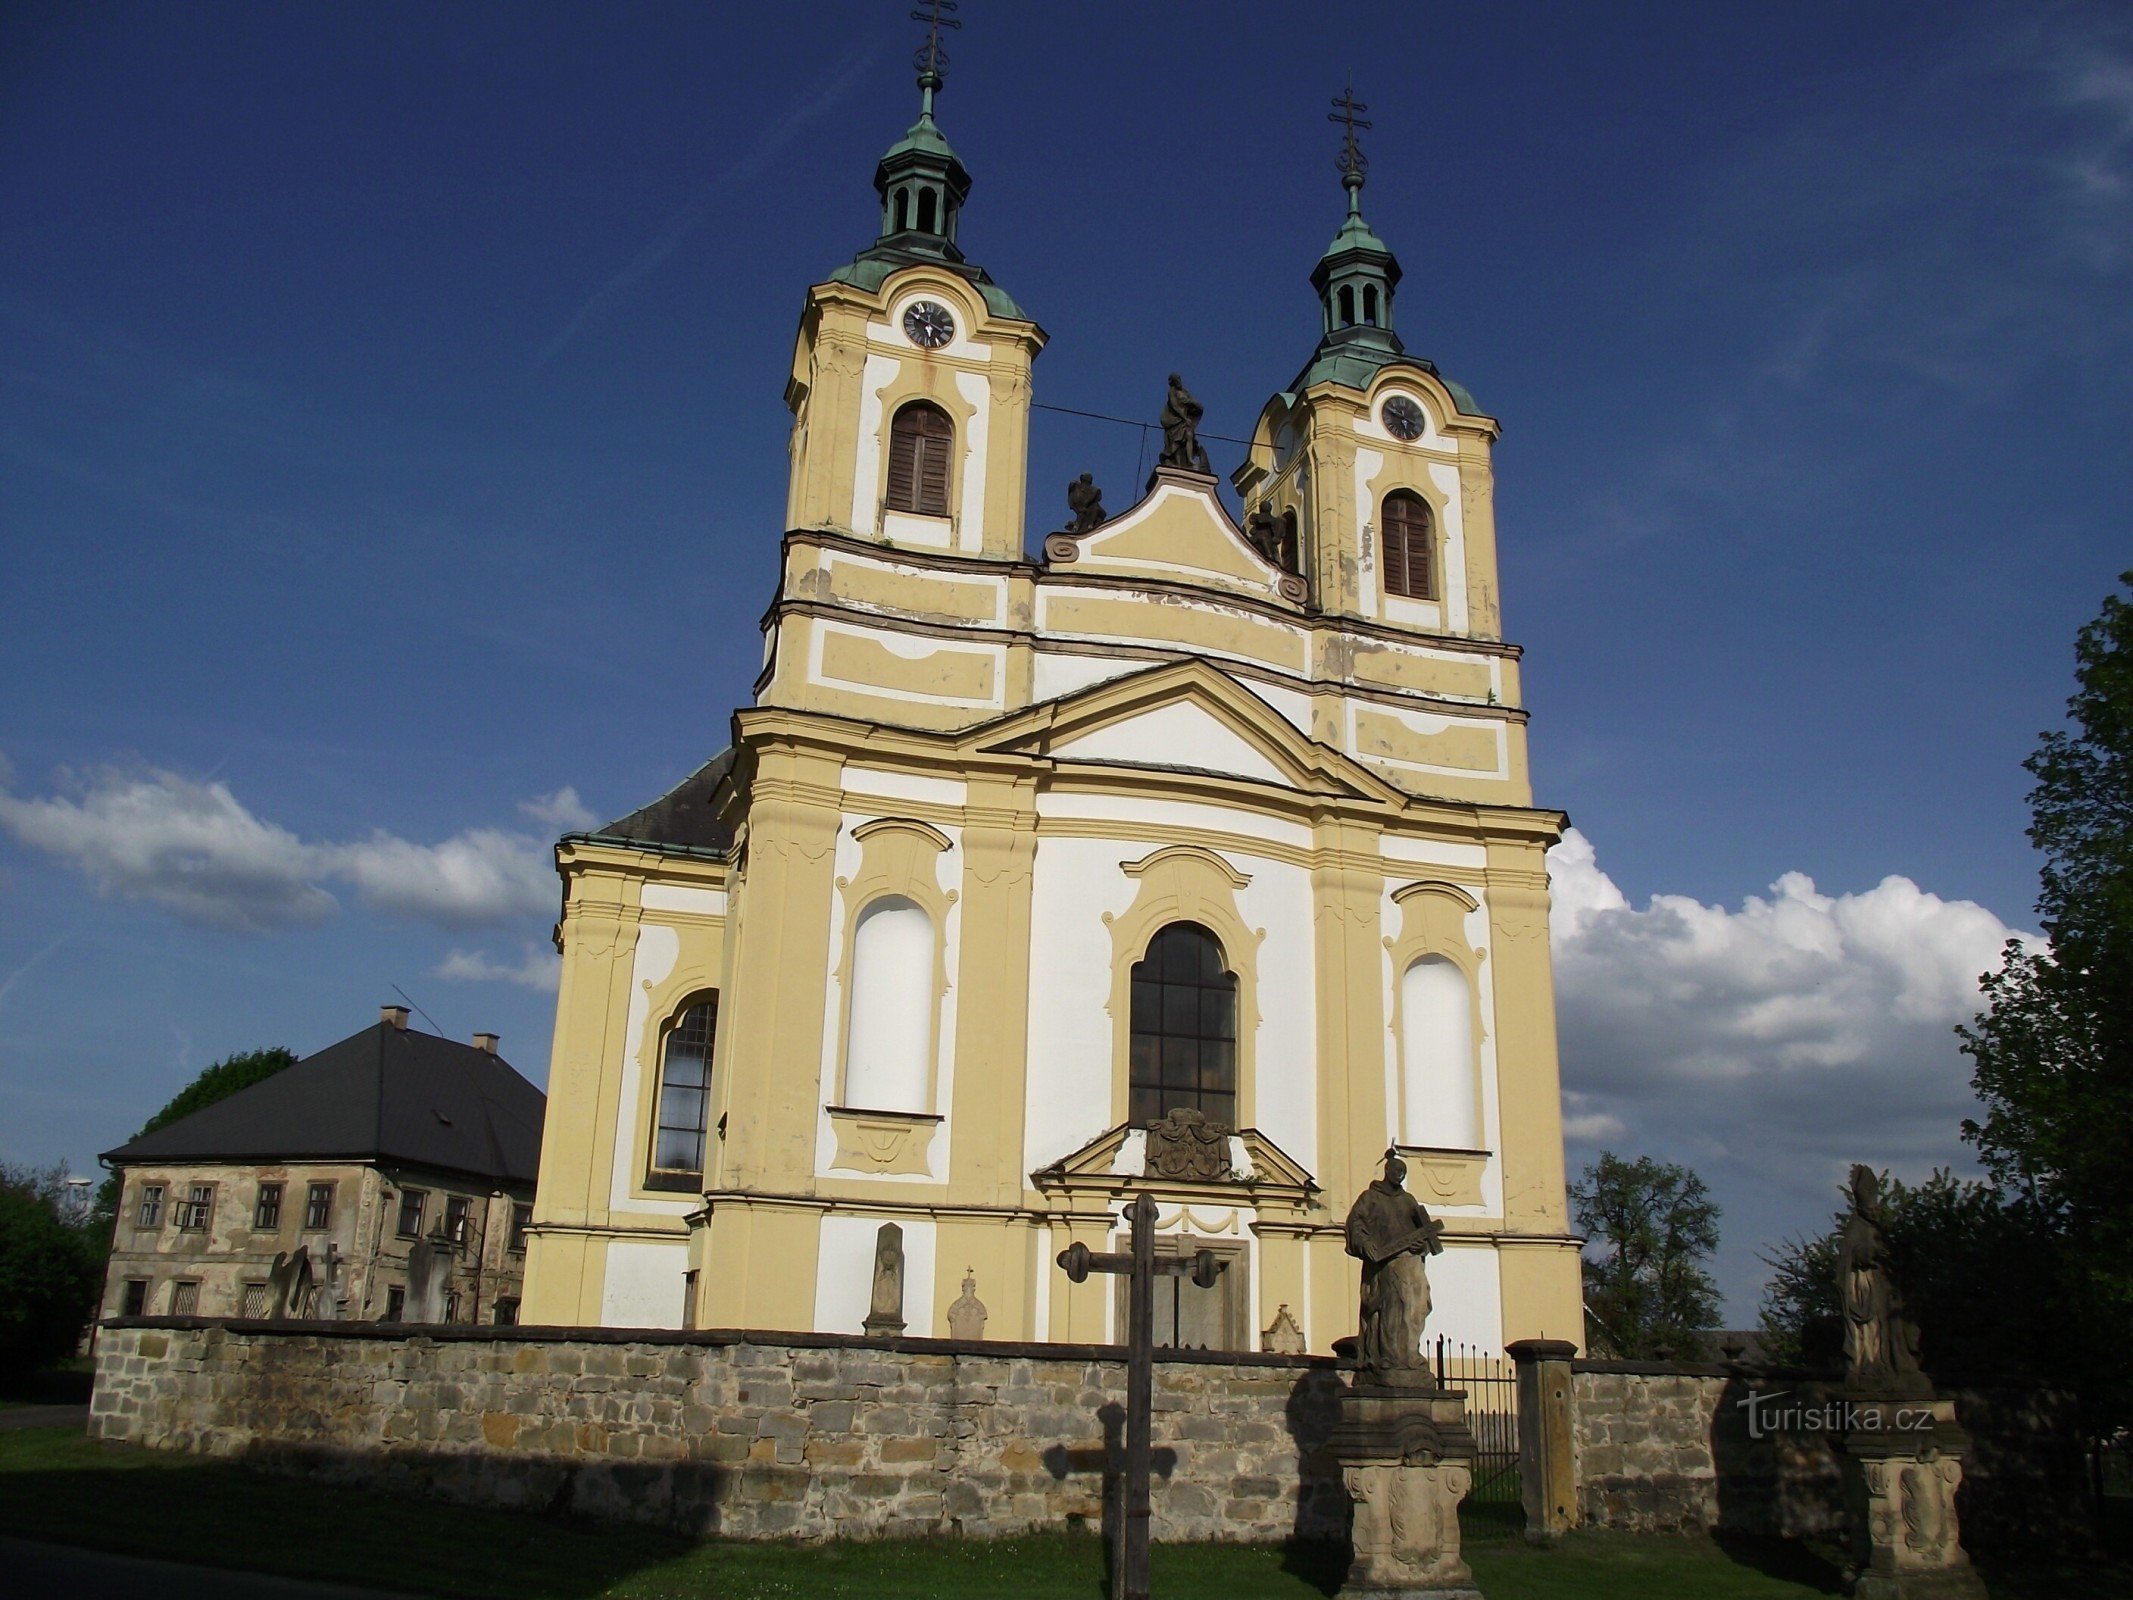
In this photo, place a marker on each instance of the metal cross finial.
(1351, 161)
(931, 57)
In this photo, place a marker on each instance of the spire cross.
(1351, 161)
(931, 57)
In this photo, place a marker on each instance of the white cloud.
(1770, 1045)
(188, 847)
(195, 850)
(539, 969)
(562, 810)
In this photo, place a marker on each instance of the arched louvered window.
(920, 438)
(685, 1093)
(1404, 536)
(1184, 1028)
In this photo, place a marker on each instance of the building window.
(151, 1213)
(685, 1094)
(1188, 1317)
(136, 1302)
(395, 1303)
(888, 1038)
(521, 1220)
(1408, 548)
(197, 1209)
(455, 1220)
(920, 439)
(411, 1203)
(1184, 1049)
(506, 1313)
(266, 1210)
(185, 1298)
(318, 1209)
(1437, 1057)
(254, 1304)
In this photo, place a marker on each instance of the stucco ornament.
(1392, 1234)
(1185, 1145)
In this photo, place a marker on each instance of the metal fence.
(1490, 1380)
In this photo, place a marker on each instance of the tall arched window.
(920, 438)
(1404, 535)
(1347, 305)
(888, 1046)
(1437, 1057)
(685, 1093)
(1184, 1036)
(1370, 305)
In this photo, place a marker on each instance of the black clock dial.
(1403, 418)
(929, 326)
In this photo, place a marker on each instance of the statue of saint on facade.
(1086, 501)
(1880, 1342)
(1391, 1233)
(885, 1313)
(1181, 430)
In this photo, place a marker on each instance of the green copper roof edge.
(1357, 366)
(867, 271)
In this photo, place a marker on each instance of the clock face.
(929, 326)
(1403, 418)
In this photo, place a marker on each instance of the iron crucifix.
(1139, 1267)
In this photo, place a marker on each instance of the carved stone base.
(1407, 1458)
(1903, 1464)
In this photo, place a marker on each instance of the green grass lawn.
(56, 1485)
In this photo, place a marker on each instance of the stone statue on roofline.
(1392, 1234)
(1880, 1340)
(1086, 501)
(1181, 430)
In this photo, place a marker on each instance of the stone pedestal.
(1547, 1447)
(1903, 1460)
(1407, 1458)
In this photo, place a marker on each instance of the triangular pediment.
(1185, 716)
(1178, 532)
(1114, 1161)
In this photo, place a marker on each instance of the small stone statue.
(1392, 1234)
(1086, 501)
(1263, 529)
(289, 1284)
(1880, 1342)
(966, 1317)
(1181, 430)
(885, 1314)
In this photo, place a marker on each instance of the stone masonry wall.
(1669, 1448)
(744, 1435)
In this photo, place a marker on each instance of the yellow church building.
(1181, 857)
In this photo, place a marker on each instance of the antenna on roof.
(424, 1015)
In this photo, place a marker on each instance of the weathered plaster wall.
(1664, 1447)
(749, 1436)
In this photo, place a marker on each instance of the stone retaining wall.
(1666, 1447)
(741, 1434)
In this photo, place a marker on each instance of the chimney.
(396, 1015)
(486, 1042)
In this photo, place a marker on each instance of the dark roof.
(385, 1094)
(685, 815)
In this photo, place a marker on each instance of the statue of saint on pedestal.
(1391, 1233)
(1880, 1341)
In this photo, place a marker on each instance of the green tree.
(1651, 1226)
(51, 1269)
(216, 1082)
(2053, 1051)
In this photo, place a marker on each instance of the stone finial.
(1282, 1336)
(966, 1317)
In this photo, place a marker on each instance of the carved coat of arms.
(1185, 1145)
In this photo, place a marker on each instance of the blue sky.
(392, 466)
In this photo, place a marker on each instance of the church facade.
(1182, 856)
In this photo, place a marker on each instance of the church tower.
(1186, 858)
